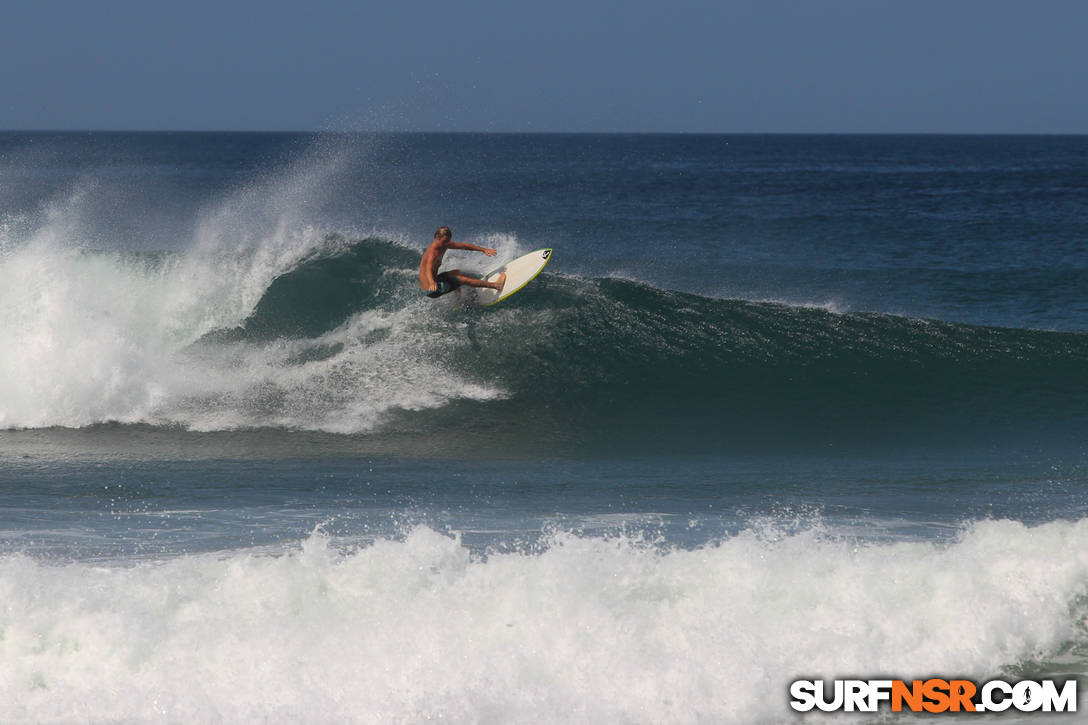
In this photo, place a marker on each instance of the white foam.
(90, 337)
(589, 630)
(351, 391)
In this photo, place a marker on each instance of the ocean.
(779, 408)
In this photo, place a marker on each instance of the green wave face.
(611, 364)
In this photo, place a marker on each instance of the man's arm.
(472, 248)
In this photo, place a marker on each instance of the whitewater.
(584, 630)
(98, 335)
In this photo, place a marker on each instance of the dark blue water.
(766, 386)
(986, 230)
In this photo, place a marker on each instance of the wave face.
(585, 629)
(329, 334)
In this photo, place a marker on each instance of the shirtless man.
(434, 284)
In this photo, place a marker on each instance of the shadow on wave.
(327, 288)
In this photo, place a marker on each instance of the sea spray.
(92, 334)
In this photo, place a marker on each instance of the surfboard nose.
(520, 272)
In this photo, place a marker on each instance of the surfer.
(434, 284)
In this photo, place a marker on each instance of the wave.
(329, 333)
(583, 629)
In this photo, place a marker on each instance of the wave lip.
(333, 337)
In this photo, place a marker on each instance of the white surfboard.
(519, 273)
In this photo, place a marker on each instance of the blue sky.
(957, 66)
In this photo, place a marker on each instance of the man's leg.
(475, 281)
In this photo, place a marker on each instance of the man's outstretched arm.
(472, 248)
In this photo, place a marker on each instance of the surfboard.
(519, 272)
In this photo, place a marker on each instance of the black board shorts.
(444, 286)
